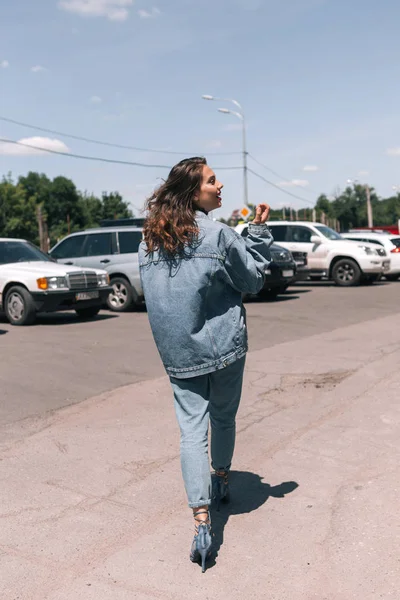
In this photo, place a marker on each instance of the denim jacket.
(194, 301)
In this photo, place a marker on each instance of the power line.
(279, 188)
(281, 176)
(145, 165)
(109, 144)
(99, 158)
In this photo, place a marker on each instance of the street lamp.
(240, 115)
(369, 205)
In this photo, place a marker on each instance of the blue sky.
(318, 81)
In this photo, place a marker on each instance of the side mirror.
(315, 239)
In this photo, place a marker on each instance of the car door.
(127, 259)
(99, 250)
(299, 237)
(69, 250)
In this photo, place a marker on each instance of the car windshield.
(328, 232)
(14, 251)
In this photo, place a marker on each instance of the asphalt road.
(61, 361)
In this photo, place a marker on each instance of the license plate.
(386, 265)
(87, 295)
(287, 273)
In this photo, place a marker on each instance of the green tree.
(92, 209)
(114, 206)
(17, 212)
(63, 209)
(324, 205)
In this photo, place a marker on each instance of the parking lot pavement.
(314, 511)
(61, 361)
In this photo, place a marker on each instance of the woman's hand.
(262, 214)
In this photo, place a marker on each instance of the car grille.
(82, 280)
(300, 257)
(280, 256)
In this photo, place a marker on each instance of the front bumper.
(302, 274)
(279, 274)
(55, 300)
(374, 265)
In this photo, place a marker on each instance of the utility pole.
(39, 217)
(368, 195)
(283, 213)
(369, 207)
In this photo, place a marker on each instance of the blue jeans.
(214, 396)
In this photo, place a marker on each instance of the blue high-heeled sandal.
(220, 486)
(202, 541)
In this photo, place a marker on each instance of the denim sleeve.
(247, 259)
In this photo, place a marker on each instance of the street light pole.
(369, 205)
(240, 115)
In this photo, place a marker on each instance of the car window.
(13, 252)
(355, 239)
(69, 248)
(98, 244)
(329, 233)
(279, 232)
(129, 241)
(374, 241)
(396, 242)
(300, 234)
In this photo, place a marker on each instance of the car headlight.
(55, 283)
(103, 280)
(51, 283)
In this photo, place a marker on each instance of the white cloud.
(145, 14)
(39, 142)
(4, 64)
(95, 100)
(38, 69)
(363, 173)
(393, 151)
(114, 10)
(295, 183)
(311, 168)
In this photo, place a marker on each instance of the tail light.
(395, 250)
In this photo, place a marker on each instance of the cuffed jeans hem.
(225, 469)
(198, 504)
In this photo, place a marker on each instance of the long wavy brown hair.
(170, 225)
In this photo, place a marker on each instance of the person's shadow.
(247, 492)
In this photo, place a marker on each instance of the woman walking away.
(194, 271)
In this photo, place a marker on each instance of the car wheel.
(121, 297)
(346, 273)
(283, 289)
(88, 313)
(19, 306)
(268, 294)
(392, 277)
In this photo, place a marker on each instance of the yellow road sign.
(244, 212)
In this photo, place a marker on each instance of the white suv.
(391, 244)
(329, 255)
(31, 282)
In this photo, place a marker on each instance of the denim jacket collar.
(201, 214)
